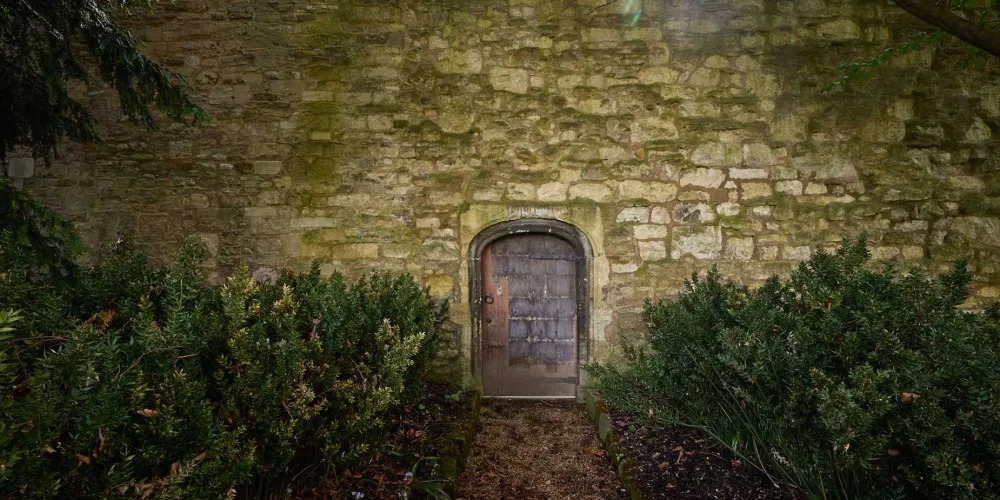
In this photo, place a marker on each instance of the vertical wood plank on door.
(495, 326)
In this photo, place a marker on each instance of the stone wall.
(388, 133)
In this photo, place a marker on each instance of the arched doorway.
(530, 299)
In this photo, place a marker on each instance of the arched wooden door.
(529, 317)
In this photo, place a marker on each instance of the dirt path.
(534, 450)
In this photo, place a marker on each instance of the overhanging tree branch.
(940, 15)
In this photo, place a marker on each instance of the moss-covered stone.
(689, 138)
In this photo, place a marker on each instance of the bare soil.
(676, 462)
(533, 450)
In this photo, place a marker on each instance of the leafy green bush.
(138, 380)
(848, 382)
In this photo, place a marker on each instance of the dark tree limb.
(940, 15)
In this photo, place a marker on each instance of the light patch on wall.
(632, 11)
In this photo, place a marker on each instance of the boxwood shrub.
(132, 379)
(847, 381)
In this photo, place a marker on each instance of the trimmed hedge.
(848, 382)
(133, 379)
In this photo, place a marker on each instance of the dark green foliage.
(848, 382)
(29, 224)
(983, 22)
(49, 45)
(142, 380)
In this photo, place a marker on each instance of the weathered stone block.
(699, 109)
(441, 286)
(912, 252)
(521, 191)
(789, 128)
(653, 129)
(729, 209)
(656, 192)
(21, 167)
(758, 155)
(601, 35)
(785, 173)
(590, 191)
(884, 253)
(380, 122)
(267, 167)
(396, 251)
(509, 80)
(978, 131)
(911, 225)
(704, 77)
(649, 232)
(840, 30)
(660, 215)
(624, 268)
(740, 249)
(752, 190)
(455, 120)
(699, 242)
(715, 154)
(652, 250)
(613, 155)
(487, 194)
(313, 222)
(317, 96)
(980, 231)
(657, 74)
(633, 214)
(747, 173)
(710, 178)
(990, 99)
(826, 168)
(884, 131)
(553, 191)
(796, 252)
(693, 213)
(815, 188)
(793, 188)
(459, 62)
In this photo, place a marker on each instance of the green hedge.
(132, 379)
(848, 382)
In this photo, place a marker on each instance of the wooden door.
(529, 317)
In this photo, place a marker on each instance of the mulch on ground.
(533, 450)
(405, 466)
(677, 462)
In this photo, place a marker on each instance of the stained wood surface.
(529, 317)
